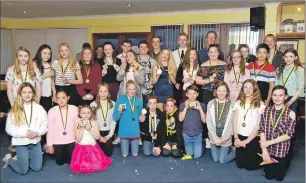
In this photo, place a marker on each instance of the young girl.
(263, 72)
(131, 70)
(92, 77)
(236, 74)
(210, 73)
(290, 74)
(26, 123)
(43, 61)
(149, 128)
(190, 68)
(127, 111)
(87, 156)
(110, 69)
(67, 74)
(219, 124)
(276, 129)
(247, 112)
(275, 56)
(61, 133)
(104, 108)
(164, 77)
(171, 131)
(23, 70)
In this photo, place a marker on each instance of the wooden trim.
(278, 18)
(295, 35)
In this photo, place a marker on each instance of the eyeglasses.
(236, 57)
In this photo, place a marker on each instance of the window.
(197, 33)
(168, 34)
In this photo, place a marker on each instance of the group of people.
(173, 103)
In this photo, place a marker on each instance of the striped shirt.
(286, 125)
(69, 74)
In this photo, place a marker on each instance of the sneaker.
(44, 148)
(15, 158)
(116, 141)
(140, 142)
(12, 149)
(6, 158)
(186, 157)
(207, 142)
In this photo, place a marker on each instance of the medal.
(133, 119)
(87, 80)
(132, 107)
(25, 115)
(105, 124)
(237, 79)
(244, 124)
(104, 115)
(87, 74)
(64, 124)
(244, 116)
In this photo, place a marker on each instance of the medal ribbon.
(270, 61)
(134, 104)
(87, 72)
(25, 79)
(25, 115)
(259, 70)
(180, 53)
(64, 125)
(104, 115)
(245, 113)
(274, 125)
(237, 80)
(64, 70)
(219, 117)
(284, 82)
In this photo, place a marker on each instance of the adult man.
(210, 38)
(156, 43)
(179, 54)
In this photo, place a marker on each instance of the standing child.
(276, 129)
(61, 134)
(150, 127)
(87, 156)
(219, 123)
(104, 108)
(171, 131)
(128, 110)
(192, 114)
(26, 123)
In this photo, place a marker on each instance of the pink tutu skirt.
(89, 158)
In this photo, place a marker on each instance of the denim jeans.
(193, 145)
(125, 146)
(27, 156)
(147, 148)
(221, 154)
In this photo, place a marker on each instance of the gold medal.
(87, 80)
(243, 124)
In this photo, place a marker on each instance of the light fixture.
(24, 12)
(129, 5)
(299, 9)
(8, 3)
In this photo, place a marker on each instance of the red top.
(94, 77)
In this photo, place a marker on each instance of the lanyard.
(29, 124)
(219, 117)
(104, 115)
(274, 125)
(64, 124)
(134, 104)
(284, 82)
(259, 70)
(237, 80)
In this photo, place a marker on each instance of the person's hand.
(116, 67)
(84, 97)
(156, 151)
(102, 139)
(106, 138)
(267, 104)
(30, 134)
(244, 143)
(120, 109)
(65, 80)
(211, 79)
(222, 141)
(266, 156)
(123, 59)
(89, 97)
(50, 149)
(167, 146)
(198, 106)
(187, 102)
(237, 143)
(264, 144)
(177, 86)
(104, 72)
(142, 118)
(54, 100)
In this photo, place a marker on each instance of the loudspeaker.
(257, 17)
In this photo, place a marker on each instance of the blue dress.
(129, 121)
(163, 89)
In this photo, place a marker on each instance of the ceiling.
(70, 8)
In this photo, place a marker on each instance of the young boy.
(125, 46)
(263, 72)
(192, 115)
(149, 128)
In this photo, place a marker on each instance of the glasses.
(236, 57)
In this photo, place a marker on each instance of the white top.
(252, 118)
(177, 56)
(16, 82)
(87, 139)
(46, 90)
(191, 73)
(110, 122)
(70, 75)
(38, 124)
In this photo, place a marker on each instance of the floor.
(152, 169)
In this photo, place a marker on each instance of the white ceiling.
(70, 8)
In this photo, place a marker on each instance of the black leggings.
(107, 147)
(46, 102)
(72, 93)
(63, 153)
(278, 170)
(247, 157)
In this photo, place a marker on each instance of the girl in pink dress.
(87, 155)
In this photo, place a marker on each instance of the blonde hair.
(92, 117)
(17, 111)
(71, 61)
(30, 64)
(109, 101)
(130, 82)
(171, 64)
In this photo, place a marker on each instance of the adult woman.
(67, 74)
(275, 56)
(92, 77)
(163, 77)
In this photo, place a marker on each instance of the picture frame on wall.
(283, 45)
